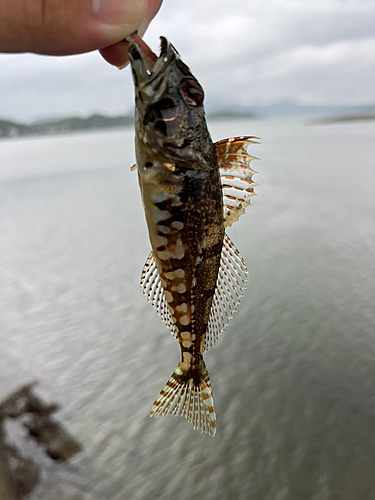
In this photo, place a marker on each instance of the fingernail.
(126, 13)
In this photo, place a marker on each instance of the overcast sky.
(242, 51)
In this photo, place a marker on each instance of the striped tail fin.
(190, 399)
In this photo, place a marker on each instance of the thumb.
(62, 27)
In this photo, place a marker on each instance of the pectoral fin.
(236, 176)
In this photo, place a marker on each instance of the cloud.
(37, 86)
(315, 51)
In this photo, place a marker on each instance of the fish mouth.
(150, 72)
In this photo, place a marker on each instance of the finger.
(117, 54)
(56, 27)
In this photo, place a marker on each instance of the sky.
(244, 52)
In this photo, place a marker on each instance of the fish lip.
(140, 62)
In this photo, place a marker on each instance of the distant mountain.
(11, 129)
(215, 111)
(230, 115)
(344, 118)
(65, 125)
(47, 119)
(286, 109)
(77, 123)
(292, 109)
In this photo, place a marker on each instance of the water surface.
(293, 374)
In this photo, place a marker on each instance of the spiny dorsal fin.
(236, 176)
(184, 398)
(231, 283)
(151, 286)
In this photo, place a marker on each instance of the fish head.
(169, 116)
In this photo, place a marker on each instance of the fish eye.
(192, 92)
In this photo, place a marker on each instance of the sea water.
(292, 376)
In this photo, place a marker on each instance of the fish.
(192, 190)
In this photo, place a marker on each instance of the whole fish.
(192, 189)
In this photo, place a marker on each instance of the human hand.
(65, 27)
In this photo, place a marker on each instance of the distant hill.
(286, 109)
(215, 111)
(11, 129)
(65, 125)
(345, 118)
(92, 122)
(230, 115)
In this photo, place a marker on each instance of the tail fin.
(190, 399)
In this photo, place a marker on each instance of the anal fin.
(151, 286)
(231, 283)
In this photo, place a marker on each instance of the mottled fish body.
(191, 190)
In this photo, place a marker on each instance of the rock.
(53, 436)
(24, 400)
(24, 471)
(18, 474)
